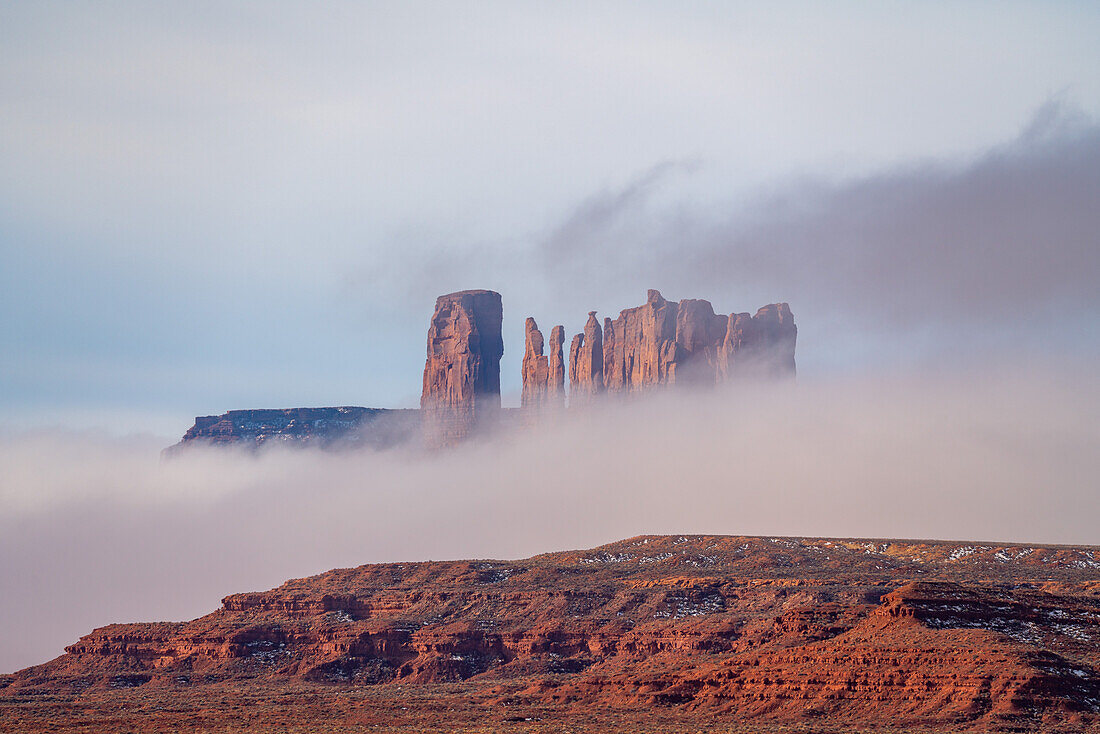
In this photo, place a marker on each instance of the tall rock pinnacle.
(462, 371)
(586, 363)
(555, 384)
(536, 368)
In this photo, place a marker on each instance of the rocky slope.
(709, 630)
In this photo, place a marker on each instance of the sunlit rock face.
(536, 368)
(765, 631)
(586, 363)
(462, 371)
(555, 387)
(667, 343)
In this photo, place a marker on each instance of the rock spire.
(555, 386)
(586, 363)
(536, 368)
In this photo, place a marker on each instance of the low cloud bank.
(96, 530)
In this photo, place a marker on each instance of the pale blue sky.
(209, 206)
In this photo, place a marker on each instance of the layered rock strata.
(827, 632)
(461, 391)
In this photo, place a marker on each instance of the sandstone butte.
(685, 343)
(462, 370)
(662, 343)
(653, 633)
(659, 343)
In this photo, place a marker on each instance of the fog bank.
(96, 530)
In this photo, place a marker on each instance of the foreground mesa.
(699, 633)
(660, 343)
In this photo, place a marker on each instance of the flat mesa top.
(474, 292)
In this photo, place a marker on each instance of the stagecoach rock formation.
(462, 371)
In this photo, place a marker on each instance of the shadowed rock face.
(760, 346)
(462, 371)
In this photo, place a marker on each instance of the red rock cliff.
(462, 370)
(662, 343)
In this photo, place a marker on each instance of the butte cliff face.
(462, 370)
(667, 343)
(586, 363)
(655, 344)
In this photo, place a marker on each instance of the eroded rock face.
(462, 371)
(555, 385)
(536, 368)
(586, 363)
(760, 346)
(665, 343)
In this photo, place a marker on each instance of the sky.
(234, 205)
(223, 205)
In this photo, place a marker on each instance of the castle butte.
(658, 344)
